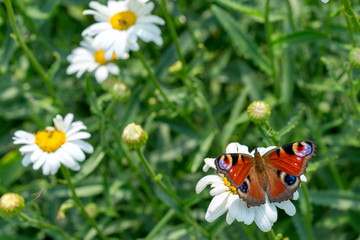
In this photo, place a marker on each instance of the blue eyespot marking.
(225, 162)
(289, 179)
(302, 149)
(244, 187)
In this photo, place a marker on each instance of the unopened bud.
(134, 136)
(259, 112)
(11, 204)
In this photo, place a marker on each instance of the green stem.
(153, 176)
(268, 31)
(308, 216)
(350, 30)
(42, 225)
(173, 33)
(143, 183)
(350, 12)
(78, 203)
(271, 234)
(352, 93)
(160, 224)
(155, 81)
(30, 55)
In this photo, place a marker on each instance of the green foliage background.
(291, 54)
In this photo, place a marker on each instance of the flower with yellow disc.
(121, 23)
(53, 146)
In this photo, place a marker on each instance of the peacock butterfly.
(275, 174)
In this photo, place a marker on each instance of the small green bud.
(11, 204)
(118, 89)
(134, 136)
(259, 112)
(92, 209)
(354, 56)
(176, 68)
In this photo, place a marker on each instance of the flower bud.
(118, 89)
(259, 112)
(176, 68)
(134, 136)
(354, 56)
(11, 204)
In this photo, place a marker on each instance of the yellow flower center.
(228, 184)
(123, 20)
(100, 57)
(50, 140)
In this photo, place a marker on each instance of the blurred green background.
(297, 62)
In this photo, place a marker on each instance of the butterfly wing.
(238, 169)
(285, 165)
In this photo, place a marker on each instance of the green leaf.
(55, 66)
(300, 37)
(204, 148)
(342, 200)
(229, 128)
(291, 124)
(243, 44)
(89, 165)
(235, 5)
(10, 167)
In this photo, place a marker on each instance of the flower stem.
(78, 203)
(271, 234)
(160, 224)
(350, 12)
(155, 81)
(308, 216)
(173, 33)
(31, 56)
(270, 46)
(153, 175)
(41, 225)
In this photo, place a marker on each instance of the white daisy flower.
(53, 146)
(89, 58)
(227, 200)
(121, 23)
(325, 1)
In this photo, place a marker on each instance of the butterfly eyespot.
(302, 149)
(244, 187)
(225, 162)
(289, 179)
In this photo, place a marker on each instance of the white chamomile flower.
(53, 146)
(325, 1)
(227, 200)
(89, 58)
(121, 23)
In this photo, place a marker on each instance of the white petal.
(235, 147)
(40, 161)
(68, 120)
(220, 189)
(261, 219)
(26, 160)
(296, 195)
(270, 211)
(28, 148)
(23, 134)
(113, 68)
(74, 151)
(78, 136)
(303, 178)
(59, 123)
(229, 218)
(250, 215)
(86, 147)
(75, 128)
(234, 208)
(96, 28)
(36, 155)
(288, 206)
(66, 159)
(209, 163)
(262, 150)
(217, 207)
(101, 74)
(203, 182)
(242, 211)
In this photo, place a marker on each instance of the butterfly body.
(275, 174)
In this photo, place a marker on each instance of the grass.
(291, 54)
